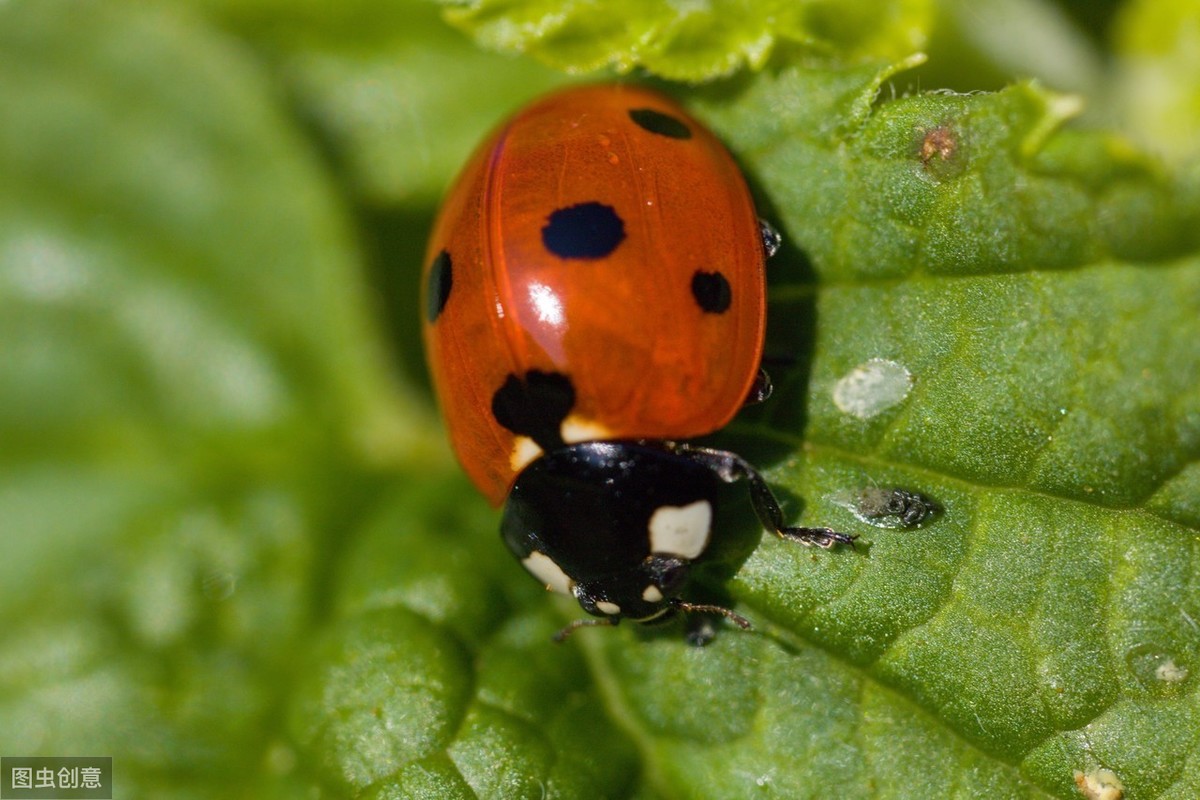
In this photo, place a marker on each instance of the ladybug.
(594, 297)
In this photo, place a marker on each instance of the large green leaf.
(239, 560)
(692, 41)
(184, 361)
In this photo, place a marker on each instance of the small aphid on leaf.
(889, 507)
(872, 387)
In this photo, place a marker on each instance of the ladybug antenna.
(562, 635)
(703, 608)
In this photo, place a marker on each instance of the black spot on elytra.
(437, 287)
(711, 291)
(660, 123)
(535, 405)
(586, 230)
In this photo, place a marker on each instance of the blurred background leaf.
(693, 42)
(239, 558)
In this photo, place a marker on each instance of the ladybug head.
(617, 525)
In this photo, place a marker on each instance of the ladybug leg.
(761, 389)
(730, 467)
(772, 239)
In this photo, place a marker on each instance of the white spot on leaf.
(1099, 784)
(872, 388)
(1170, 672)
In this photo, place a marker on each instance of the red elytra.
(603, 235)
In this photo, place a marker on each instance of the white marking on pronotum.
(681, 530)
(542, 567)
(651, 594)
(524, 451)
(612, 609)
(576, 429)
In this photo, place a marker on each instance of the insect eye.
(668, 573)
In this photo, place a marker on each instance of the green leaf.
(1038, 289)
(239, 559)
(436, 680)
(184, 359)
(693, 42)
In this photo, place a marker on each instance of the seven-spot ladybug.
(594, 293)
